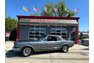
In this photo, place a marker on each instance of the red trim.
(48, 17)
(77, 35)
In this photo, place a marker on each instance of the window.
(59, 30)
(51, 38)
(36, 32)
(58, 39)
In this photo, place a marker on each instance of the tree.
(10, 23)
(47, 10)
(62, 10)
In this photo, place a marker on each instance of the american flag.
(66, 9)
(55, 10)
(76, 10)
(35, 9)
(45, 9)
(25, 9)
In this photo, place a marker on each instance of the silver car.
(85, 41)
(48, 43)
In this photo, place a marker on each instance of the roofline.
(47, 17)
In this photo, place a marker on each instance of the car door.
(53, 43)
(38, 45)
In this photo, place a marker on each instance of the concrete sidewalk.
(76, 54)
(9, 45)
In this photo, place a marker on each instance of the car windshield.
(63, 39)
(42, 38)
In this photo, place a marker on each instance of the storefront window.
(57, 30)
(36, 32)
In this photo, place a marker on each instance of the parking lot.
(76, 54)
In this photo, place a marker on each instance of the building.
(7, 34)
(35, 27)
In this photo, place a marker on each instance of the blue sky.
(14, 7)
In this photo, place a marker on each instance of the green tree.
(62, 9)
(10, 23)
(47, 10)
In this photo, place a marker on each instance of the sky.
(14, 8)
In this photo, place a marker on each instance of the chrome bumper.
(16, 49)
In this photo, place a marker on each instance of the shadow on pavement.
(85, 49)
(45, 52)
(84, 45)
(11, 53)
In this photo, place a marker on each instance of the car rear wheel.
(27, 51)
(65, 48)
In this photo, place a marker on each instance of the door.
(53, 43)
(38, 45)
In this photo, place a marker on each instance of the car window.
(42, 38)
(51, 38)
(58, 39)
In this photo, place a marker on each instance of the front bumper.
(16, 49)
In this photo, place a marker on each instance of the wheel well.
(27, 46)
(66, 45)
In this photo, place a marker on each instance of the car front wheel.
(27, 51)
(65, 48)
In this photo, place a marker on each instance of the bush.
(83, 37)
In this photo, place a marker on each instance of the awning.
(67, 21)
(48, 21)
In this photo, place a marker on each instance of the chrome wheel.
(65, 48)
(27, 51)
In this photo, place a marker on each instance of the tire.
(27, 51)
(65, 49)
